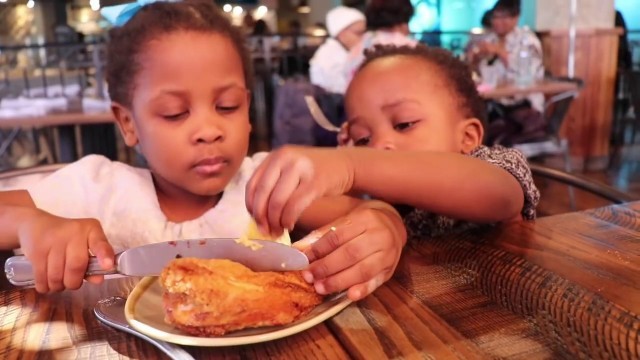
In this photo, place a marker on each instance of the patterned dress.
(421, 224)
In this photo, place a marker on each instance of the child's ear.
(124, 119)
(471, 134)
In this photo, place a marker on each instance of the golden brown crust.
(211, 297)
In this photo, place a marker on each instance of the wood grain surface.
(589, 120)
(563, 287)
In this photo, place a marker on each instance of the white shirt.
(124, 200)
(327, 67)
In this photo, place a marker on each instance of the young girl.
(422, 104)
(179, 80)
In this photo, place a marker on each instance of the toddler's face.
(191, 111)
(403, 103)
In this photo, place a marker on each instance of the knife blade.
(150, 259)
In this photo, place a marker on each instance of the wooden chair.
(594, 194)
(599, 189)
(631, 120)
(555, 111)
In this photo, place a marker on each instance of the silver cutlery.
(150, 259)
(110, 311)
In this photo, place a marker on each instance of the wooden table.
(67, 133)
(566, 286)
(546, 87)
(57, 119)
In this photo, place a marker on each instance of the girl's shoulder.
(94, 186)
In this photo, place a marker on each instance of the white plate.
(144, 313)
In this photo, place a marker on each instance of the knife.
(149, 260)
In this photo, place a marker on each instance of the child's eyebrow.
(185, 93)
(178, 93)
(398, 103)
(226, 87)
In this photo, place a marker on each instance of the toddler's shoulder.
(514, 162)
(498, 153)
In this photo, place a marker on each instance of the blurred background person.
(387, 24)
(346, 27)
(248, 23)
(476, 38)
(510, 53)
(261, 28)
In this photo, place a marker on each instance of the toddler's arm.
(454, 185)
(449, 184)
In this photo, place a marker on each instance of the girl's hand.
(59, 248)
(290, 179)
(359, 252)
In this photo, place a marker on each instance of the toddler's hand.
(58, 249)
(359, 253)
(290, 179)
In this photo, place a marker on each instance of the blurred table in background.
(74, 130)
(546, 87)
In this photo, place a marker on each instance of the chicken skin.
(211, 297)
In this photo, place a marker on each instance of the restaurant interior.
(561, 85)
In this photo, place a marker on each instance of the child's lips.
(210, 166)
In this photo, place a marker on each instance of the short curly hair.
(455, 72)
(155, 20)
(384, 14)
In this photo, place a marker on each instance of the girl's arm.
(58, 248)
(15, 207)
(448, 184)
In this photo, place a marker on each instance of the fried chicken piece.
(211, 297)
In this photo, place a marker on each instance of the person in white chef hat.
(327, 67)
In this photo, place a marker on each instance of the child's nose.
(208, 130)
(384, 144)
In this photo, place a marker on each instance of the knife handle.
(19, 271)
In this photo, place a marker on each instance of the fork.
(110, 311)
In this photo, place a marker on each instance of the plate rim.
(189, 340)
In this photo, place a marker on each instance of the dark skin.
(189, 116)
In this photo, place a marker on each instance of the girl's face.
(403, 103)
(190, 112)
